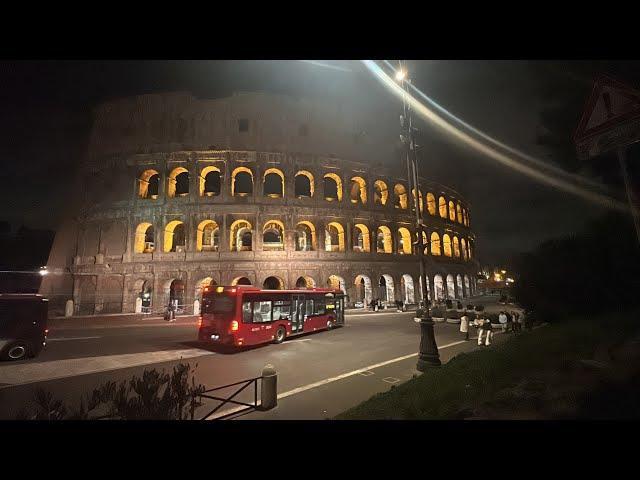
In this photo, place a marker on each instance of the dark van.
(23, 325)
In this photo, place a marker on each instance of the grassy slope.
(472, 378)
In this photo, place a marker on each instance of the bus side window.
(308, 307)
(281, 310)
(320, 308)
(262, 311)
(246, 312)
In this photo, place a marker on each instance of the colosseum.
(178, 192)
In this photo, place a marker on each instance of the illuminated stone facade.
(178, 192)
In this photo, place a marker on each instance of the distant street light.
(401, 74)
(44, 271)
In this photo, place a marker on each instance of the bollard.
(196, 307)
(68, 309)
(269, 389)
(138, 307)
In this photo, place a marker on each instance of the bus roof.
(252, 288)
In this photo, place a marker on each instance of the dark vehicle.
(23, 325)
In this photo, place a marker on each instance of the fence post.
(269, 390)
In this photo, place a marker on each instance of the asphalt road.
(82, 354)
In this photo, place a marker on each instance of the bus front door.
(297, 314)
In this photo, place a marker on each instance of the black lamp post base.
(429, 356)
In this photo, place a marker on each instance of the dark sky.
(46, 113)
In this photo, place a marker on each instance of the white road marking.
(299, 340)
(37, 372)
(391, 379)
(64, 339)
(326, 381)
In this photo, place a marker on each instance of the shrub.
(438, 312)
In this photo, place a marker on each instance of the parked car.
(358, 305)
(23, 325)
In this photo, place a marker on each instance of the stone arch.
(273, 236)
(413, 194)
(305, 236)
(174, 236)
(404, 244)
(358, 190)
(241, 236)
(463, 247)
(334, 237)
(452, 211)
(200, 284)
(208, 236)
(446, 244)
(144, 240)
(361, 238)
(178, 182)
(273, 183)
(364, 289)
(273, 283)
(304, 184)
(380, 192)
(456, 247)
(387, 288)
(241, 182)
(451, 288)
(174, 290)
(332, 187)
(400, 196)
(336, 282)
(438, 287)
(431, 203)
(467, 286)
(143, 290)
(305, 282)
(149, 184)
(442, 207)
(241, 281)
(384, 240)
(407, 289)
(210, 181)
(435, 244)
(459, 212)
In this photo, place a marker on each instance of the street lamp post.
(429, 356)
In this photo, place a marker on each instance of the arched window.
(273, 236)
(380, 193)
(273, 183)
(332, 187)
(446, 242)
(144, 241)
(241, 182)
(431, 203)
(400, 196)
(334, 237)
(174, 237)
(361, 240)
(305, 236)
(456, 247)
(435, 244)
(466, 218)
(148, 184)
(178, 182)
(404, 246)
(470, 249)
(209, 181)
(452, 211)
(442, 207)
(384, 240)
(358, 192)
(241, 236)
(459, 212)
(303, 184)
(273, 283)
(425, 242)
(208, 236)
(241, 281)
(463, 246)
(305, 282)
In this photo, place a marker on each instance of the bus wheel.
(16, 351)
(329, 324)
(281, 333)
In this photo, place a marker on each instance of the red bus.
(245, 315)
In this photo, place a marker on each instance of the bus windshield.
(218, 304)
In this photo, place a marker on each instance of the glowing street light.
(401, 74)
(44, 271)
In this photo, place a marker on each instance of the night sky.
(46, 116)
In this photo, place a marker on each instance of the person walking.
(485, 329)
(464, 325)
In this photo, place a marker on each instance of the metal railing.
(244, 384)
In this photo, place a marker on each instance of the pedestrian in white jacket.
(464, 325)
(485, 327)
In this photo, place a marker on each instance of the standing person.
(502, 320)
(464, 325)
(516, 321)
(481, 328)
(489, 329)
